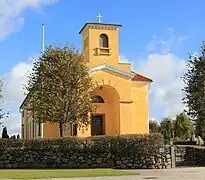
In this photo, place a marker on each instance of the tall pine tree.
(194, 89)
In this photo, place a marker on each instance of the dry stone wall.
(40, 159)
(124, 152)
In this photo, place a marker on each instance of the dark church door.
(97, 125)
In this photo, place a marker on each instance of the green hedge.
(143, 144)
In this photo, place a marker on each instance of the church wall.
(118, 115)
(124, 66)
(111, 114)
(121, 85)
(111, 117)
(50, 130)
(115, 118)
(125, 118)
(110, 108)
(85, 45)
(140, 115)
(24, 124)
(28, 125)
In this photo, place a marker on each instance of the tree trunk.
(61, 129)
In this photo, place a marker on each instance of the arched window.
(98, 99)
(104, 40)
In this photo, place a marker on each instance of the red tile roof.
(139, 77)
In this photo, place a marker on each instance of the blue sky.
(156, 38)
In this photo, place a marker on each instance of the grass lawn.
(61, 173)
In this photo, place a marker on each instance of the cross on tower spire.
(99, 17)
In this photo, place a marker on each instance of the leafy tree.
(166, 128)
(194, 97)
(153, 127)
(4, 133)
(61, 88)
(183, 126)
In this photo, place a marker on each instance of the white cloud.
(165, 91)
(123, 59)
(166, 70)
(13, 124)
(11, 19)
(14, 82)
(165, 45)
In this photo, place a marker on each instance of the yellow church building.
(122, 95)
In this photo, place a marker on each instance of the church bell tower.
(100, 43)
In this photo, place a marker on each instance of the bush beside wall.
(125, 151)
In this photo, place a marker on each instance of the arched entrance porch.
(106, 119)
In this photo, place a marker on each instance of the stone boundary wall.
(42, 159)
(140, 151)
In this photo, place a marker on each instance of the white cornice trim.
(112, 69)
